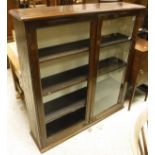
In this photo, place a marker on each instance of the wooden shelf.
(114, 38)
(59, 51)
(65, 79)
(49, 53)
(66, 110)
(110, 64)
(65, 122)
(64, 105)
(74, 76)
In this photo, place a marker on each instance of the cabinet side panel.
(22, 49)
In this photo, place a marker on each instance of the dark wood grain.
(26, 45)
(71, 10)
(95, 33)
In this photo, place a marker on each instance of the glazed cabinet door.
(115, 42)
(63, 51)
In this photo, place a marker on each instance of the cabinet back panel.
(65, 122)
(123, 25)
(120, 51)
(60, 34)
(63, 64)
(63, 92)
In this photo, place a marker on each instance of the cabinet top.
(71, 10)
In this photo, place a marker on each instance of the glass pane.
(122, 25)
(107, 90)
(63, 54)
(113, 57)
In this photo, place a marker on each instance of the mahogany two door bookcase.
(74, 63)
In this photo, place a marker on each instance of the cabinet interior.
(63, 52)
(64, 55)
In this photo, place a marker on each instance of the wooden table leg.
(132, 96)
(19, 92)
(146, 95)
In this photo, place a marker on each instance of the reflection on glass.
(64, 58)
(107, 90)
(113, 58)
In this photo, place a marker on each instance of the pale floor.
(111, 136)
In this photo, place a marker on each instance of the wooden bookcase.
(74, 63)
